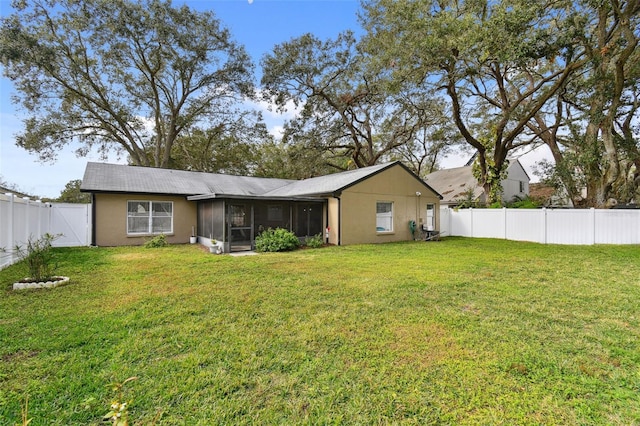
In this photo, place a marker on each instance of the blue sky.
(258, 25)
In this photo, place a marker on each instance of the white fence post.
(10, 226)
(504, 223)
(545, 227)
(592, 228)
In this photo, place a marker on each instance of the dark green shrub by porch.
(278, 239)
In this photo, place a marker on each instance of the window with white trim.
(149, 217)
(384, 216)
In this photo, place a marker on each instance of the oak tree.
(118, 74)
(497, 63)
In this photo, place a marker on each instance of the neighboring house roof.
(454, 184)
(5, 190)
(101, 177)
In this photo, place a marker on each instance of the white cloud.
(276, 131)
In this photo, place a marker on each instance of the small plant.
(39, 257)
(523, 203)
(314, 241)
(272, 240)
(118, 416)
(467, 199)
(157, 241)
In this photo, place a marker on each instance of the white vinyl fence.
(21, 219)
(546, 226)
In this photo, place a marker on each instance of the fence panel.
(461, 223)
(445, 221)
(73, 221)
(525, 225)
(617, 226)
(21, 219)
(547, 226)
(570, 227)
(488, 223)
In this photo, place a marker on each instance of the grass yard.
(463, 331)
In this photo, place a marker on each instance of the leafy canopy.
(119, 75)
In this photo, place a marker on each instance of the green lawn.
(462, 331)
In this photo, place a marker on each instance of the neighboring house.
(459, 184)
(368, 205)
(5, 190)
(548, 196)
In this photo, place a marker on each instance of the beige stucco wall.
(396, 185)
(111, 219)
(333, 210)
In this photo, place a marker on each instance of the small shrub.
(157, 241)
(523, 203)
(314, 242)
(278, 239)
(38, 256)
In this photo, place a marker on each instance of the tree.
(498, 63)
(435, 139)
(294, 161)
(117, 74)
(346, 111)
(71, 193)
(590, 130)
(232, 147)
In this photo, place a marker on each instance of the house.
(5, 190)
(458, 184)
(368, 205)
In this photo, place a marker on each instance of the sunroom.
(233, 223)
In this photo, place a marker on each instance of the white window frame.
(430, 221)
(385, 216)
(149, 208)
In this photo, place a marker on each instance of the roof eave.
(203, 197)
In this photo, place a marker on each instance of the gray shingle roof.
(101, 177)
(453, 183)
(326, 184)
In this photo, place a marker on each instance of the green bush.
(157, 241)
(523, 203)
(39, 257)
(314, 242)
(277, 239)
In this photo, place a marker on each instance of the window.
(384, 216)
(274, 213)
(149, 217)
(521, 187)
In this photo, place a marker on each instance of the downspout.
(418, 224)
(93, 218)
(326, 217)
(336, 195)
